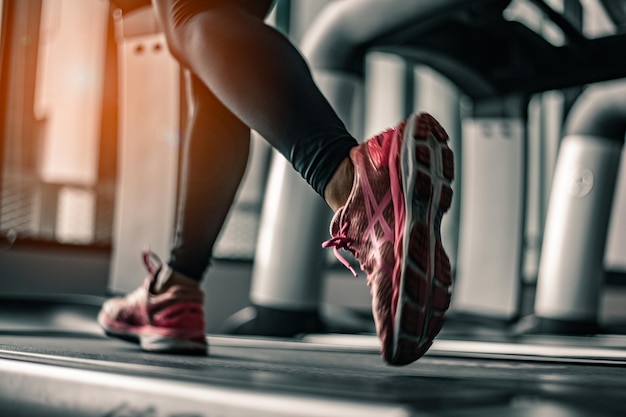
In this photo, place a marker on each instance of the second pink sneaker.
(167, 322)
(391, 223)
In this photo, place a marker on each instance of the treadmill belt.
(298, 378)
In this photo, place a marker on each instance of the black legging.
(244, 75)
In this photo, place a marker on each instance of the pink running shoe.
(170, 322)
(391, 223)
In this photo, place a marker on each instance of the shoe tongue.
(152, 262)
(161, 277)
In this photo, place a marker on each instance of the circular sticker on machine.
(581, 182)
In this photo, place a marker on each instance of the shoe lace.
(342, 241)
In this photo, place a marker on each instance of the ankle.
(172, 278)
(340, 185)
(183, 280)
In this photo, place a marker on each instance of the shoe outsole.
(155, 343)
(427, 167)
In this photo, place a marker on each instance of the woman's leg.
(214, 159)
(166, 313)
(261, 77)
